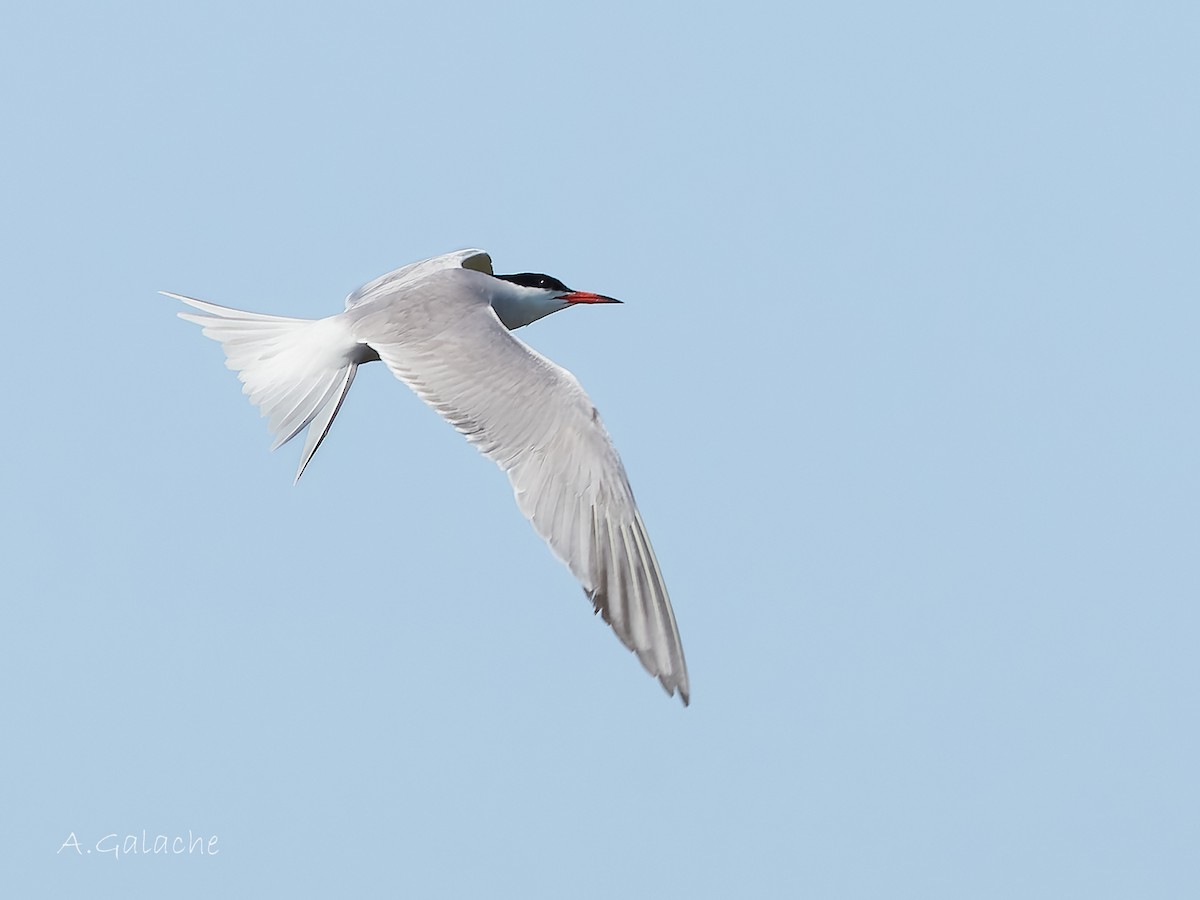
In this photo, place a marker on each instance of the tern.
(443, 327)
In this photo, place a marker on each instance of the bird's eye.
(535, 280)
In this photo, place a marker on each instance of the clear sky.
(905, 382)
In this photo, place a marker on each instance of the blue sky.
(905, 382)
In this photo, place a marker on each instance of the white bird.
(442, 326)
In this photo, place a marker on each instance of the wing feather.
(535, 420)
(397, 279)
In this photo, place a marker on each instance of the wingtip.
(671, 686)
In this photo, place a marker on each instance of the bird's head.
(528, 296)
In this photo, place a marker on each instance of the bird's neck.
(517, 306)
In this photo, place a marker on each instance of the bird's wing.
(535, 420)
(405, 275)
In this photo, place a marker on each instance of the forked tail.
(296, 371)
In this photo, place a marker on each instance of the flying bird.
(443, 326)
